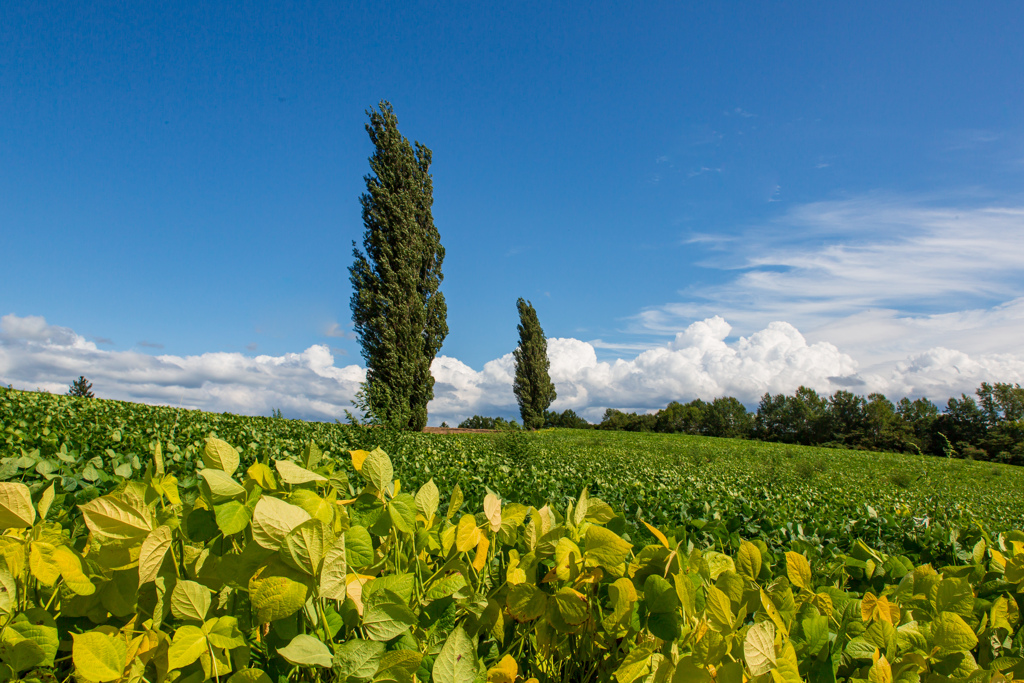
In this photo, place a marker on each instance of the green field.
(715, 490)
(140, 543)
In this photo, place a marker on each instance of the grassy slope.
(714, 488)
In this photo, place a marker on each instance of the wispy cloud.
(882, 275)
(150, 345)
(335, 330)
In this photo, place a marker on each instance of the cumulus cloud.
(704, 360)
(35, 354)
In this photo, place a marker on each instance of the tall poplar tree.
(398, 312)
(532, 386)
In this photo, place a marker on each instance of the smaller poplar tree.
(532, 386)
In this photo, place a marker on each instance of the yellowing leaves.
(874, 608)
(16, 510)
(798, 570)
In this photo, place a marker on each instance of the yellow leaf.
(98, 656)
(45, 501)
(40, 560)
(658, 535)
(262, 475)
(357, 459)
(881, 671)
(878, 609)
(154, 549)
(219, 454)
(504, 672)
(467, 536)
(71, 570)
(492, 510)
(748, 561)
(16, 511)
(481, 552)
(798, 570)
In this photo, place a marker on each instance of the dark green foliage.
(567, 419)
(618, 421)
(481, 422)
(82, 388)
(477, 422)
(532, 386)
(398, 312)
(991, 428)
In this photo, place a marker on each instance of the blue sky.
(179, 188)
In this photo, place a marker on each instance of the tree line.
(987, 426)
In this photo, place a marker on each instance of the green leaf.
(384, 617)
(427, 499)
(759, 648)
(398, 666)
(955, 595)
(188, 644)
(221, 485)
(659, 596)
(305, 650)
(277, 591)
(249, 676)
(402, 510)
(951, 632)
(334, 571)
(220, 455)
(571, 606)
(456, 662)
(114, 521)
(45, 500)
(358, 660)
(358, 547)
(719, 610)
(273, 519)
(97, 656)
(401, 585)
(718, 563)
(455, 502)
(317, 507)
(16, 510)
(622, 595)
(37, 625)
(123, 470)
(605, 547)
(377, 469)
(223, 632)
(291, 473)
(311, 454)
(635, 664)
(232, 517)
(306, 545)
(20, 653)
(815, 630)
(190, 601)
(526, 602)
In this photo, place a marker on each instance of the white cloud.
(887, 277)
(336, 330)
(703, 360)
(34, 354)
